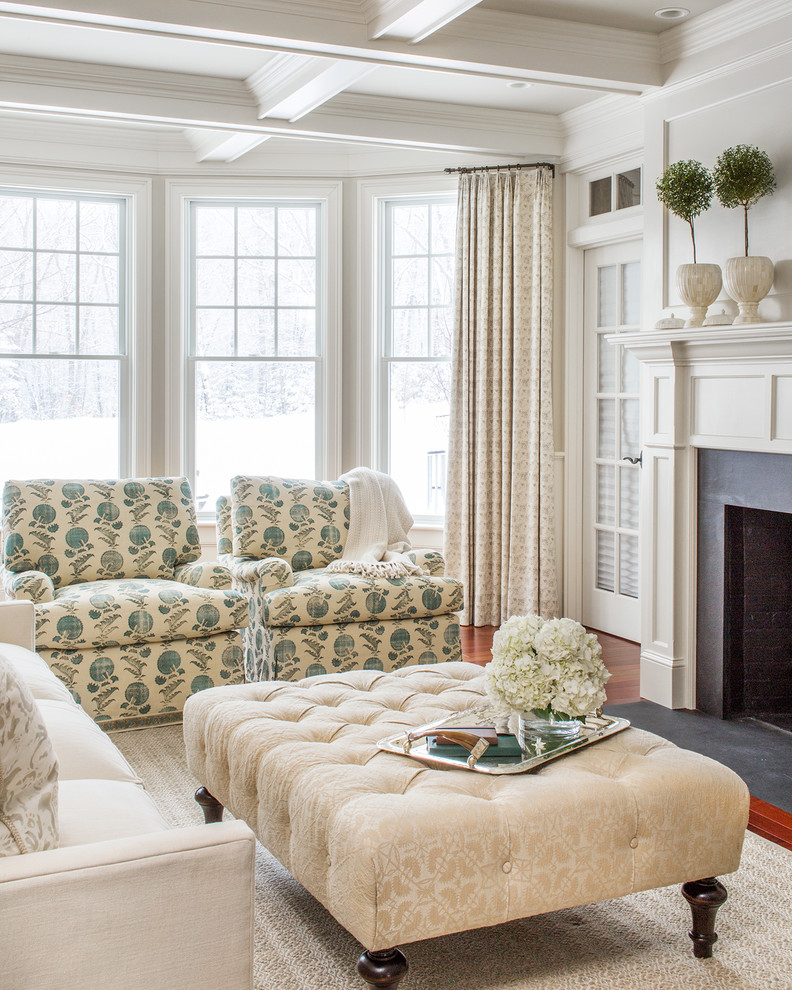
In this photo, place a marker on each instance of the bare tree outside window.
(62, 334)
(254, 342)
(418, 283)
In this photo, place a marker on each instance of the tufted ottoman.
(399, 852)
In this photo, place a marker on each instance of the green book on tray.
(506, 748)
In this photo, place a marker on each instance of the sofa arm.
(432, 561)
(204, 574)
(263, 575)
(18, 624)
(33, 586)
(168, 909)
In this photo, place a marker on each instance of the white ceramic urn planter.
(698, 286)
(748, 281)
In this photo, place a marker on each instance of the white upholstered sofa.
(124, 901)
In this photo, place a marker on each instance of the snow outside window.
(254, 355)
(63, 341)
(417, 252)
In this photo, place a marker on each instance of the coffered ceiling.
(479, 78)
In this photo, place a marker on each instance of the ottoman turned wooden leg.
(382, 969)
(211, 807)
(704, 897)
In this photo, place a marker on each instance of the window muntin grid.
(416, 290)
(64, 302)
(255, 321)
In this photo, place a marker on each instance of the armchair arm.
(168, 909)
(34, 586)
(18, 624)
(267, 575)
(432, 561)
(204, 574)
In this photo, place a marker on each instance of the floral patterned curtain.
(499, 533)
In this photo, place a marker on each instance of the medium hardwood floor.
(622, 658)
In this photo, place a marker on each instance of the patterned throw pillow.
(28, 771)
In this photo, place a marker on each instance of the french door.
(611, 442)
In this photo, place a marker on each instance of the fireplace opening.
(757, 615)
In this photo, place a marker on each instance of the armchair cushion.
(318, 598)
(93, 530)
(115, 613)
(305, 522)
(28, 771)
(33, 586)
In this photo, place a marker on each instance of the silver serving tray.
(537, 752)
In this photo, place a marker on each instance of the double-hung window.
(417, 275)
(255, 317)
(64, 367)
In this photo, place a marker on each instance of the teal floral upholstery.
(126, 615)
(318, 598)
(146, 684)
(114, 613)
(78, 531)
(289, 653)
(276, 535)
(305, 522)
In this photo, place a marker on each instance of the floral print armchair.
(125, 615)
(277, 535)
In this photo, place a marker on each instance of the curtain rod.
(497, 168)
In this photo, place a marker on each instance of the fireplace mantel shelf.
(689, 345)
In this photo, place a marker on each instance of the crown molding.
(719, 26)
(598, 112)
(140, 82)
(354, 105)
(781, 51)
(412, 20)
(571, 37)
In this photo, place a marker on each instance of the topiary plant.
(685, 188)
(743, 175)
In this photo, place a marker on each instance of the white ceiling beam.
(485, 42)
(222, 146)
(413, 20)
(290, 86)
(82, 91)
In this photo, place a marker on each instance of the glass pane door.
(611, 429)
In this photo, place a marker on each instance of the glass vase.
(545, 725)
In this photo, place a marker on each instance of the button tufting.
(633, 842)
(506, 867)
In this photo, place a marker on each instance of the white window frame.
(372, 433)
(134, 364)
(179, 397)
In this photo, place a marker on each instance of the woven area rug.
(633, 942)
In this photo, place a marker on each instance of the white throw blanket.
(379, 522)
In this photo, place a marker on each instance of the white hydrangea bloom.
(538, 664)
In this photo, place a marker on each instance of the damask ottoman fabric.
(28, 770)
(397, 851)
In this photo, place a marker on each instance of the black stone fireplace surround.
(744, 586)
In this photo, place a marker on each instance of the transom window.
(255, 316)
(417, 252)
(63, 340)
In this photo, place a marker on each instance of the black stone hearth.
(744, 596)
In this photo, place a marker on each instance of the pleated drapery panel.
(499, 534)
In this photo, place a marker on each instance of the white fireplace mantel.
(721, 387)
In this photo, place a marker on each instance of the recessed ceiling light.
(518, 84)
(671, 13)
